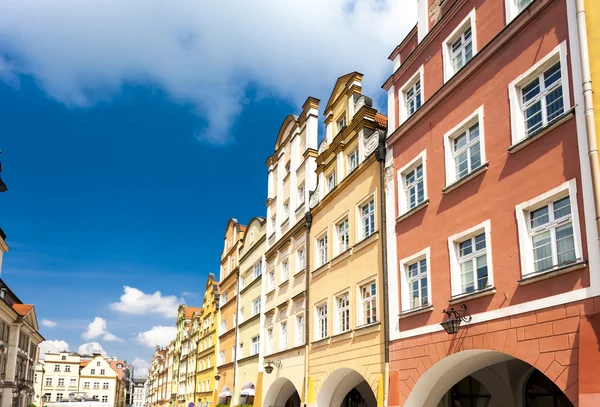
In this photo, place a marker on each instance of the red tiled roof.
(381, 119)
(189, 311)
(22, 309)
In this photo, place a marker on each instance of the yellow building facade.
(251, 319)
(346, 353)
(182, 381)
(206, 359)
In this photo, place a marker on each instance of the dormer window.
(341, 123)
(352, 161)
(330, 181)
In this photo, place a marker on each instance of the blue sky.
(127, 147)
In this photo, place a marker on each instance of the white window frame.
(360, 229)
(340, 245)
(522, 210)
(285, 270)
(404, 285)
(299, 329)
(477, 116)
(301, 259)
(321, 258)
(321, 332)
(558, 54)
(255, 345)
(469, 21)
(420, 159)
(512, 9)
(418, 76)
(256, 306)
(257, 271)
(328, 186)
(283, 338)
(453, 242)
(286, 210)
(271, 281)
(339, 328)
(301, 194)
(269, 344)
(353, 156)
(242, 282)
(341, 122)
(361, 321)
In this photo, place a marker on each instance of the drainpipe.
(588, 108)
(237, 324)
(308, 218)
(380, 156)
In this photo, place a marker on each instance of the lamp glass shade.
(268, 369)
(451, 325)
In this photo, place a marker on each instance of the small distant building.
(138, 398)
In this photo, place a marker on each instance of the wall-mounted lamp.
(269, 365)
(452, 323)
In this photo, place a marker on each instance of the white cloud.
(48, 324)
(157, 336)
(97, 329)
(92, 347)
(200, 52)
(53, 346)
(140, 367)
(135, 301)
(189, 294)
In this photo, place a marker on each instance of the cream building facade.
(346, 353)
(292, 174)
(251, 318)
(60, 377)
(185, 348)
(206, 358)
(99, 381)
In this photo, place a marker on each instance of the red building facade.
(493, 208)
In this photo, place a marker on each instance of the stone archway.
(224, 396)
(247, 393)
(282, 393)
(346, 387)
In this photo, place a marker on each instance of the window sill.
(412, 211)
(320, 342)
(285, 222)
(271, 291)
(341, 256)
(367, 329)
(541, 132)
(477, 171)
(284, 283)
(299, 208)
(472, 295)
(365, 242)
(416, 311)
(321, 269)
(532, 278)
(302, 270)
(342, 336)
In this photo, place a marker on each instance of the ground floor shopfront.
(549, 357)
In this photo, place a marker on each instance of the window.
(367, 219)
(47, 397)
(330, 182)
(222, 356)
(98, 364)
(341, 123)
(299, 330)
(540, 96)
(273, 222)
(241, 350)
(368, 295)
(269, 341)
(73, 383)
(271, 281)
(343, 237)
(413, 98)
(470, 260)
(256, 307)
(251, 237)
(93, 371)
(343, 313)
(352, 161)
(283, 335)
(286, 209)
(460, 46)
(105, 386)
(412, 189)
(96, 385)
(321, 321)
(59, 396)
(515, 7)
(465, 147)
(102, 371)
(241, 316)
(95, 397)
(285, 270)
(301, 194)
(105, 399)
(67, 368)
(48, 381)
(415, 280)
(321, 250)
(411, 95)
(255, 345)
(301, 256)
(257, 270)
(57, 368)
(242, 282)
(288, 167)
(86, 385)
(549, 234)
(61, 382)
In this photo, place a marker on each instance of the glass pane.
(412, 270)
(539, 217)
(423, 266)
(482, 272)
(562, 207)
(424, 296)
(467, 276)
(554, 104)
(474, 132)
(542, 251)
(533, 117)
(552, 75)
(531, 90)
(462, 165)
(460, 142)
(480, 242)
(465, 248)
(565, 244)
(475, 156)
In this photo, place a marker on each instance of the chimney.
(422, 19)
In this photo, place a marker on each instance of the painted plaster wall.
(592, 9)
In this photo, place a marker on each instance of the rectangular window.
(222, 357)
(413, 98)
(273, 223)
(86, 385)
(269, 341)
(255, 345)
(322, 321)
(542, 99)
(343, 236)
(368, 294)
(67, 368)
(367, 218)
(343, 313)
(256, 307)
(241, 350)
(271, 281)
(285, 270)
(299, 330)
(59, 396)
(461, 50)
(301, 255)
(96, 385)
(286, 209)
(341, 123)
(102, 371)
(414, 186)
(47, 397)
(242, 282)
(257, 270)
(105, 386)
(61, 382)
(283, 336)
(352, 161)
(57, 368)
(330, 182)
(105, 399)
(321, 251)
(48, 381)
(301, 195)
(417, 283)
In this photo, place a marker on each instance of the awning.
(225, 393)
(247, 392)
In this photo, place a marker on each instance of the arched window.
(469, 393)
(542, 392)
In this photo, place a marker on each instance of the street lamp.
(269, 365)
(452, 323)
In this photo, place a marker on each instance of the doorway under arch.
(282, 393)
(346, 388)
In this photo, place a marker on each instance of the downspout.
(237, 324)
(380, 156)
(588, 108)
(308, 218)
